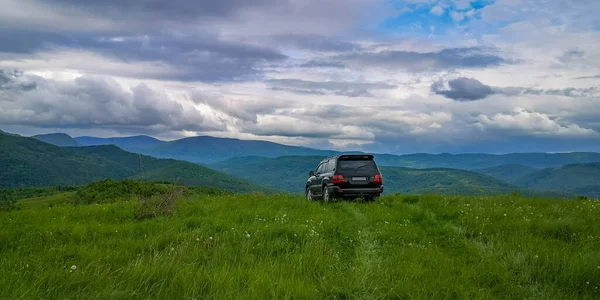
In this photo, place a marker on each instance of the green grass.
(282, 247)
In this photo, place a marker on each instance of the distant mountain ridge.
(203, 149)
(508, 172)
(481, 161)
(209, 150)
(58, 139)
(28, 162)
(577, 178)
(131, 143)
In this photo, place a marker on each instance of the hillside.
(202, 149)
(132, 143)
(290, 173)
(442, 181)
(507, 173)
(58, 139)
(27, 162)
(284, 247)
(209, 150)
(576, 177)
(481, 161)
(206, 149)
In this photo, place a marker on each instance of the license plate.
(359, 178)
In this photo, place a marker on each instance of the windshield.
(351, 165)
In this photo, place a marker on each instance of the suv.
(345, 176)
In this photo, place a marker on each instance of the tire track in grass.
(368, 254)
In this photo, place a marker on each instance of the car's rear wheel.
(326, 195)
(370, 198)
(309, 194)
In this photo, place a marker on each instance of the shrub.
(157, 205)
(110, 190)
(8, 204)
(411, 199)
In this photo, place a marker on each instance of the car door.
(315, 181)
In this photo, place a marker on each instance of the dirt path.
(368, 254)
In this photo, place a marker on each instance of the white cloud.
(437, 11)
(524, 122)
(457, 16)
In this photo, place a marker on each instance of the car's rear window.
(355, 164)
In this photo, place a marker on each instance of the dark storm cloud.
(93, 102)
(322, 64)
(174, 9)
(348, 89)
(14, 81)
(469, 89)
(589, 77)
(571, 55)
(317, 43)
(22, 41)
(463, 89)
(197, 58)
(422, 61)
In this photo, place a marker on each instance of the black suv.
(345, 176)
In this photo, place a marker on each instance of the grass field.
(282, 247)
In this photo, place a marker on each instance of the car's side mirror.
(311, 173)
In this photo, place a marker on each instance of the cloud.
(524, 122)
(316, 43)
(463, 89)
(437, 11)
(14, 81)
(588, 77)
(322, 64)
(469, 89)
(346, 88)
(198, 57)
(457, 16)
(96, 102)
(450, 58)
(244, 110)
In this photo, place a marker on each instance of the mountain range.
(28, 162)
(264, 166)
(209, 150)
(289, 172)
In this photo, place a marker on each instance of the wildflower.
(480, 233)
(247, 235)
(172, 248)
(197, 239)
(73, 267)
(505, 215)
(210, 237)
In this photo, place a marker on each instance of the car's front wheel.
(309, 194)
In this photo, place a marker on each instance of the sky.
(374, 75)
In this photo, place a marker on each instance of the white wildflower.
(197, 239)
(73, 267)
(247, 235)
(210, 237)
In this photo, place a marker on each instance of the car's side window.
(319, 169)
(331, 165)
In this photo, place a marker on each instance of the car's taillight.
(378, 179)
(338, 179)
